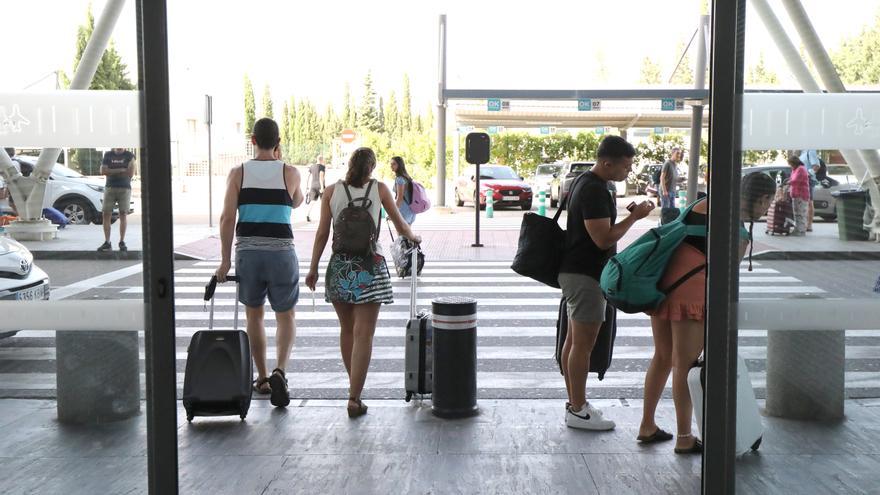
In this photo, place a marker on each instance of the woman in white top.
(356, 285)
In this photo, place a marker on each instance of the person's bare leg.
(345, 313)
(811, 211)
(657, 375)
(106, 217)
(123, 224)
(583, 339)
(257, 338)
(566, 351)
(365, 316)
(687, 344)
(284, 337)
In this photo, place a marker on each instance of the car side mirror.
(522, 178)
(556, 175)
(473, 178)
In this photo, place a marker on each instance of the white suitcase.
(749, 428)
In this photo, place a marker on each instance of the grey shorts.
(114, 196)
(267, 273)
(586, 303)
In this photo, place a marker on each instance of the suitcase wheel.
(757, 443)
(408, 396)
(189, 417)
(242, 416)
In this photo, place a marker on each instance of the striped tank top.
(264, 208)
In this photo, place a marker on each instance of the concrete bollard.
(490, 201)
(98, 376)
(542, 208)
(454, 320)
(805, 373)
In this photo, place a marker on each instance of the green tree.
(391, 115)
(429, 118)
(368, 117)
(650, 72)
(761, 74)
(858, 58)
(111, 74)
(406, 118)
(291, 124)
(684, 74)
(380, 109)
(418, 127)
(267, 102)
(250, 106)
(347, 112)
(285, 117)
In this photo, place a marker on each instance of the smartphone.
(631, 206)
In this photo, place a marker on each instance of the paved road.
(516, 334)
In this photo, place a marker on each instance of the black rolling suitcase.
(419, 355)
(219, 369)
(603, 351)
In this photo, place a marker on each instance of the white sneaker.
(588, 418)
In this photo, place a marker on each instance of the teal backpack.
(630, 279)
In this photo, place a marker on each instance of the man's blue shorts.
(268, 273)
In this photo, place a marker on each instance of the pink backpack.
(419, 202)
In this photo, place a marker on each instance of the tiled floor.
(513, 446)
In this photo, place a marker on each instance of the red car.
(506, 187)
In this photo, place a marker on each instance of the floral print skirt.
(358, 280)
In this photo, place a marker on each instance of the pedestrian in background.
(678, 324)
(118, 166)
(262, 193)
(800, 194)
(403, 189)
(356, 284)
(591, 239)
(669, 178)
(317, 173)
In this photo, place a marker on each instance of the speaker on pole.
(477, 147)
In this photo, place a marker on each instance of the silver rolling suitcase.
(418, 359)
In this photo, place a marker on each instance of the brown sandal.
(261, 386)
(357, 411)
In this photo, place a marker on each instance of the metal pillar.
(722, 294)
(456, 154)
(159, 335)
(870, 158)
(441, 116)
(697, 111)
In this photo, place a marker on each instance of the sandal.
(696, 448)
(280, 394)
(658, 436)
(261, 386)
(357, 411)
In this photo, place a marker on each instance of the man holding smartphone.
(591, 239)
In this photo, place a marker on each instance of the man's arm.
(321, 178)
(130, 169)
(227, 216)
(293, 179)
(606, 235)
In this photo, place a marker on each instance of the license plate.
(32, 294)
(511, 198)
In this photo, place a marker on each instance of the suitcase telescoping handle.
(413, 284)
(209, 296)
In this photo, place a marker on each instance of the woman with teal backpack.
(678, 322)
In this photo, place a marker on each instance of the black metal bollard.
(455, 357)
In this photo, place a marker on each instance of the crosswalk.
(516, 336)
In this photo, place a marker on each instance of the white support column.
(870, 158)
(441, 116)
(697, 110)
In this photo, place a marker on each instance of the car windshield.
(497, 173)
(66, 172)
(577, 168)
(547, 169)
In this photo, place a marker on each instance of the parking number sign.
(494, 104)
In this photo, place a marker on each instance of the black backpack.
(354, 230)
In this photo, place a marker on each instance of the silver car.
(824, 203)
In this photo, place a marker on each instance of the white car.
(20, 279)
(80, 198)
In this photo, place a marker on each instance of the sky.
(311, 49)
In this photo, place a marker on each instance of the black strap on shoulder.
(565, 204)
(347, 192)
(684, 279)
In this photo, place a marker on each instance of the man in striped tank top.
(262, 193)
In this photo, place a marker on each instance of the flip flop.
(658, 436)
(697, 448)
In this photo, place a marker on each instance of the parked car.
(643, 177)
(824, 203)
(506, 187)
(572, 171)
(20, 279)
(544, 175)
(80, 198)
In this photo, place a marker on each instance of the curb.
(105, 256)
(817, 256)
